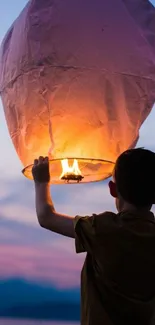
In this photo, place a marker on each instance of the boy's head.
(134, 179)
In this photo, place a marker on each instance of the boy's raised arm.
(47, 216)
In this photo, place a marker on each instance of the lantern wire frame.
(92, 170)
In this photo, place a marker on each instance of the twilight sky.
(26, 250)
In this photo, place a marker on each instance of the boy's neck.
(129, 207)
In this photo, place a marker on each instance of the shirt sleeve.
(84, 234)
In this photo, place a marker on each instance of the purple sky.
(26, 250)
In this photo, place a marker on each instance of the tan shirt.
(118, 276)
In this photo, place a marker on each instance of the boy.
(118, 276)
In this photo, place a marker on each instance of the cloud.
(30, 252)
(147, 132)
(41, 263)
(17, 199)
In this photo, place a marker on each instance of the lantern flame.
(72, 173)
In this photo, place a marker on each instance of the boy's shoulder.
(110, 221)
(105, 220)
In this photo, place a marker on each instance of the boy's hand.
(47, 216)
(40, 170)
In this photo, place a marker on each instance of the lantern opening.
(71, 173)
(75, 170)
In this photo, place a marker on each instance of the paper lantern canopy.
(77, 80)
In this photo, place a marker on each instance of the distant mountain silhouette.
(46, 311)
(20, 298)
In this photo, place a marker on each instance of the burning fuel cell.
(71, 173)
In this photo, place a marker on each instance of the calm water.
(27, 322)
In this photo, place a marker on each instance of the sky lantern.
(77, 80)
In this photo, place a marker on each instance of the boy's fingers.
(35, 162)
(46, 160)
(41, 160)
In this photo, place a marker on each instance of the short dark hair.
(135, 176)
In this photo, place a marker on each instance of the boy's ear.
(112, 188)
